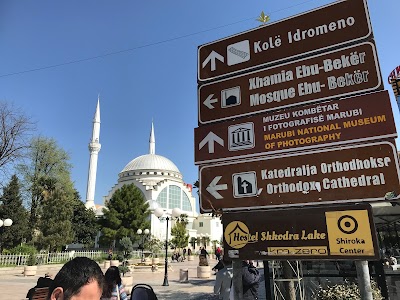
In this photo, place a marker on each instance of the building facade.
(162, 185)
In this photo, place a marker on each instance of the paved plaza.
(13, 284)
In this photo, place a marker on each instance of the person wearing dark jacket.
(219, 266)
(250, 279)
(42, 282)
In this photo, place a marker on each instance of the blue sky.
(54, 62)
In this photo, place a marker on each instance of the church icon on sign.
(244, 184)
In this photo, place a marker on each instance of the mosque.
(162, 185)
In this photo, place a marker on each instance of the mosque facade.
(161, 184)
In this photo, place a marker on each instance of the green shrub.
(123, 269)
(119, 256)
(32, 260)
(101, 258)
(344, 291)
(126, 247)
(24, 249)
(155, 246)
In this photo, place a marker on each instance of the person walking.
(203, 261)
(250, 279)
(184, 253)
(113, 288)
(218, 253)
(110, 254)
(223, 281)
(203, 251)
(219, 266)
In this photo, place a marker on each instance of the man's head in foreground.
(79, 279)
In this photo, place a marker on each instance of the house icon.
(237, 237)
(244, 184)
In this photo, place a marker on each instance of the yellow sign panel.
(349, 233)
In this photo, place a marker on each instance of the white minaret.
(94, 148)
(152, 148)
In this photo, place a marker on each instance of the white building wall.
(158, 228)
(212, 228)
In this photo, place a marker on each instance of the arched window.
(173, 196)
(163, 197)
(186, 202)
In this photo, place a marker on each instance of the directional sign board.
(332, 233)
(350, 173)
(354, 119)
(334, 74)
(326, 27)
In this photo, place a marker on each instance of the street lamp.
(142, 234)
(3, 224)
(159, 212)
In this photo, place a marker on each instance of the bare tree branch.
(16, 130)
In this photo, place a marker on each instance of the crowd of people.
(223, 286)
(81, 278)
(178, 257)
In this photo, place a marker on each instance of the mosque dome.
(151, 162)
(150, 168)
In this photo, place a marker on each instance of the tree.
(47, 169)
(193, 242)
(11, 207)
(55, 220)
(206, 241)
(125, 213)
(180, 236)
(84, 223)
(154, 245)
(214, 244)
(126, 246)
(15, 130)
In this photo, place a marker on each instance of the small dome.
(151, 162)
